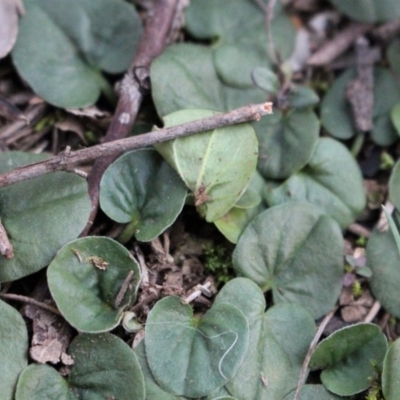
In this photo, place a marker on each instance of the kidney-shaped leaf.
(92, 280)
(39, 215)
(105, 368)
(279, 340)
(42, 382)
(295, 251)
(337, 117)
(13, 349)
(384, 261)
(153, 391)
(141, 189)
(193, 356)
(239, 51)
(348, 356)
(391, 372)
(184, 76)
(216, 165)
(332, 181)
(62, 45)
(314, 392)
(286, 142)
(369, 10)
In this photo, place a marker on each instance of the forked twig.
(66, 160)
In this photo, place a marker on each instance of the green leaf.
(153, 390)
(233, 223)
(216, 165)
(314, 392)
(394, 185)
(286, 142)
(384, 261)
(13, 349)
(265, 79)
(239, 27)
(395, 117)
(347, 358)
(39, 215)
(184, 77)
(141, 189)
(302, 97)
(193, 356)
(86, 278)
(332, 181)
(391, 372)
(104, 368)
(63, 44)
(369, 10)
(295, 251)
(336, 113)
(279, 340)
(41, 382)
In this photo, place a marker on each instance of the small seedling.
(217, 261)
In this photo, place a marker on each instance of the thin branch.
(373, 312)
(339, 44)
(313, 345)
(6, 248)
(65, 161)
(28, 300)
(134, 85)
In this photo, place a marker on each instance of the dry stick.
(151, 45)
(6, 248)
(339, 44)
(387, 31)
(67, 159)
(28, 300)
(304, 368)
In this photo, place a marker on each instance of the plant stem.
(66, 160)
(357, 144)
(28, 300)
(128, 232)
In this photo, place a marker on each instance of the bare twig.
(67, 159)
(28, 300)
(133, 87)
(304, 368)
(6, 248)
(373, 312)
(359, 230)
(360, 91)
(123, 289)
(387, 31)
(339, 44)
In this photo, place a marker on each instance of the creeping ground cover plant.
(199, 200)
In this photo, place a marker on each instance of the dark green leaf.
(302, 97)
(348, 356)
(384, 261)
(85, 280)
(141, 189)
(105, 368)
(332, 181)
(41, 382)
(193, 356)
(63, 44)
(295, 251)
(184, 77)
(391, 372)
(39, 215)
(286, 142)
(240, 27)
(369, 10)
(13, 349)
(265, 79)
(279, 340)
